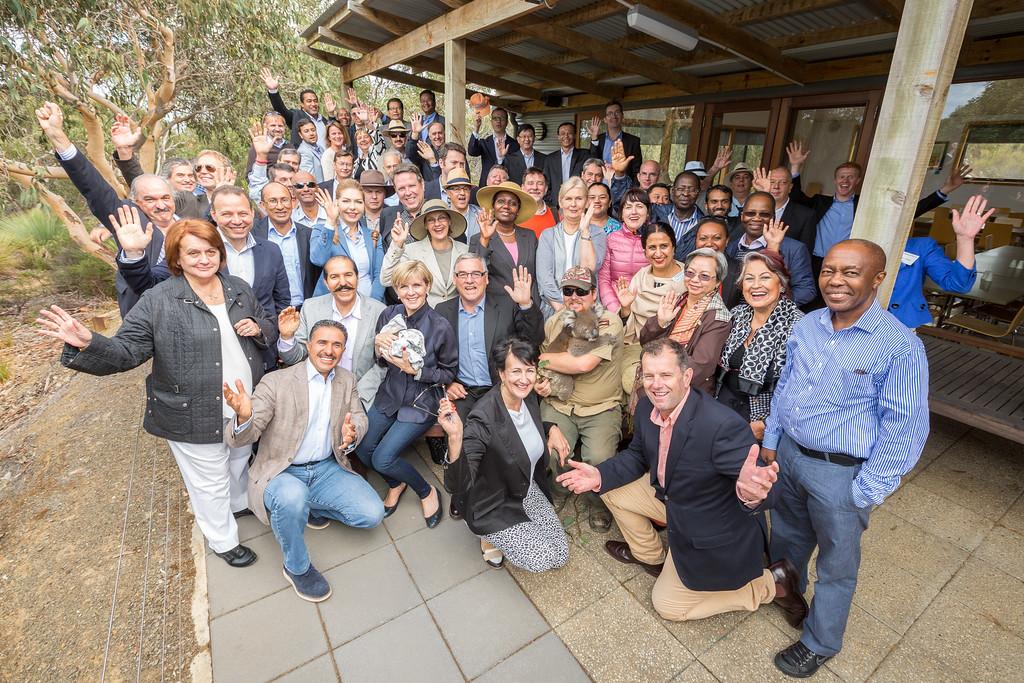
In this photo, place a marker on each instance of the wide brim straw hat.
(457, 222)
(527, 204)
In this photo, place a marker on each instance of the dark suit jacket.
(630, 145)
(303, 234)
(293, 117)
(802, 225)
(500, 264)
(488, 157)
(717, 543)
(553, 171)
(516, 164)
(103, 202)
(821, 203)
(795, 255)
(186, 204)
(493, 471)
(502, 318)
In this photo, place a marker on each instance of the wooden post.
(455, 89)
(927, 47)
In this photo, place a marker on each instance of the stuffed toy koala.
(580, 335)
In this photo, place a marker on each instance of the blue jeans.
(815, 508)
(326, 488)
(381, 448)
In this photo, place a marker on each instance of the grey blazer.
(552, 262)
(365, 368)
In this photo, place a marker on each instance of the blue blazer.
(322, 248)
(907, 301)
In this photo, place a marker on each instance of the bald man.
(849, 419)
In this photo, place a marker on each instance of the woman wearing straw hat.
(505, 245)
(433, 230)
(459, 189)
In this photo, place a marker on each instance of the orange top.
(540, 222)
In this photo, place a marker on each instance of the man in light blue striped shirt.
(849, 418)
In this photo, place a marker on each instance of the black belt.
(834, 458)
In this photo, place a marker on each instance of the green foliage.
(5, 371)
(76, 271)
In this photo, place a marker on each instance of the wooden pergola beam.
(740, 43)
(890, 10)
(584, 15)
(776, 9)
(458, 23)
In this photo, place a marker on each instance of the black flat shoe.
(245, 512)
(389, 509)
(455, 508)
(239, 556)
(435, 519)
(799, 661)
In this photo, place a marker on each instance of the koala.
(580, 335)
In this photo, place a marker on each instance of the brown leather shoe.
(621, 552)
(787, 593)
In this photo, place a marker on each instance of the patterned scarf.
(766, 350)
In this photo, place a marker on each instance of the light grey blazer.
(364, 366)
(552, 262)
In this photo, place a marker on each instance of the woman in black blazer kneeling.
(497, 462)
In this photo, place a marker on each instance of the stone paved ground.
(940, 598)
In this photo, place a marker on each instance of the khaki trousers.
(634, 506)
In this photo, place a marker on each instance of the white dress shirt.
(241, 263)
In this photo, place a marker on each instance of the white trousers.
(217, 477)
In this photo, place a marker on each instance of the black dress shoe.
(435, 519)
(244, 512)
(799, 661)
(621, 552)
(787, 593)
(455, 508)
(438, 446)
(239, 556)
(389, 509)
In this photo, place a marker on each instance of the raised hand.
(426, 152)
(331, 208)
(478, 119)
(122, 134)
(348, 432)
(582, 478)
(269, 79)
(417, 124)
(626, 295)
(968, 224)
(261, 142)
(667, 308)
(501, 145)
(399, 232)
(761, 182)
(247, 327)
(352, 97)
(559, 444)
(754, 481)
(721, 160)
(449, 418)
(957, 176)
(225, 175)
(361, 112)
(774, 232)
(57, 323)
(797, 155)
(521, 291)
(130, 233)
(288, 322)
(488, 226)
(238, 400)
(620, 162)
(50, 119)
(608, 172)
(594, 127)
(587, 220)
(329, 105)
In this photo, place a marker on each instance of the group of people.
(685, 356)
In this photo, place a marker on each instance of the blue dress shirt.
(473, 370)
(834, 227)
(289, 246)
(862, 391)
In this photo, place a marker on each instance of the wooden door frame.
(706, 148)
(871, 100)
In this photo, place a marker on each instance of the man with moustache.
(344, 305)
(683, 214)
(151, 194)
(565, 163)
(277, 226)
(526, 156)
(756, 216)
(308, 419)
(849, 418)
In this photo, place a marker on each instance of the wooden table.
(1000, 277)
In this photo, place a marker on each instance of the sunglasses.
(575, 291)
(310, 185)
(205, 167)
(397, 135)
(758, 214)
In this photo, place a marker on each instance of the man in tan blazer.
(308, 418)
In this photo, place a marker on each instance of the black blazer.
(630, 145)
(293, 117)
(801, 222)
(553, 171)
(484, 148)
(717, 543)
(103, 202)
(502, 318)
(821, 203)
(310, 271)
(516, 164)
(500, 264)
(493, 471)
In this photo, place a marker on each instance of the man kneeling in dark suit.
(704, 478)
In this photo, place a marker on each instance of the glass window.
(995, 151)
(831, 135)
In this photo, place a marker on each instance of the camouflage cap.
(578, 276)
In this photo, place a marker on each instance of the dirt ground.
(96, 569)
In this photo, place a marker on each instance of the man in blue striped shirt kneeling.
(849, 419)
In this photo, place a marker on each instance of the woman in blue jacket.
(354, 241)
(924, 256)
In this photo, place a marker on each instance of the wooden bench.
(976, 381)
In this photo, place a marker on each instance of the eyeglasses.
(209, 168)
(470, 275)
(575, 291)
(278, 202)
(694, 275)
(758, 214)
(310, 185)
(429, 399)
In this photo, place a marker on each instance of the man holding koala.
(592, 414)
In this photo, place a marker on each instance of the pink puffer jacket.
(623, 258)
